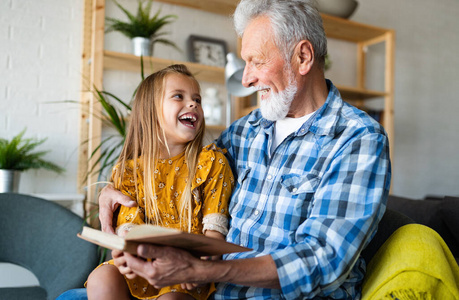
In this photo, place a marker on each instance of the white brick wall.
(40, 49)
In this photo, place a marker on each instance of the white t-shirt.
(283, 128)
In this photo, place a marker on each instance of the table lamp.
(234, 70)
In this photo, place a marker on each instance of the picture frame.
(207, 51)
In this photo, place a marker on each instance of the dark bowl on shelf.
(337, 8)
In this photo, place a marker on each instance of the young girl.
(175, 181)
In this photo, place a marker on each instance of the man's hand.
(160, 266)
(109, 200)
(165, 266)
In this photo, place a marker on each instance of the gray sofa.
(40, 236)
(439, 213)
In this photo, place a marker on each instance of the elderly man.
(313, 174)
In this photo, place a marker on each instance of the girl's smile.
(189, 119)
(182, 112)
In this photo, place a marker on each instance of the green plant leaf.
(18, 154)
(116, 119)
(167, 42)
(126, 105)
(130, 16)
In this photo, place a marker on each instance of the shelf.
(335, 27)
(222, 7)
(351, 93)
(351, 31)
(348, 94)
(215, 127)
(130, 62)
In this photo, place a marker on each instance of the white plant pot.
(141, 46)
(9, 181)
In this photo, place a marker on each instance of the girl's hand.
(120, 262)
(215, 257)
(216, 235)
(123, 229)
(189, 286)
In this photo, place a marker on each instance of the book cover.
(196, 244)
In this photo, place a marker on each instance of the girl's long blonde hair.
(146, 137)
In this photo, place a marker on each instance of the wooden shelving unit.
(223, 7)
(96, 59)
(129, 62)
(364, 36)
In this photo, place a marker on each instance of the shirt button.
(269, 177)
(256, 212)
(294, 190)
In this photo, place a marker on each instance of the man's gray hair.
(292, 22)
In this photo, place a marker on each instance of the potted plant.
(141, 28)
(18, 155)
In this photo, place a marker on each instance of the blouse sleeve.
(129, 216)
(216, 193)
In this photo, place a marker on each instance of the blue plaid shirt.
(313, 204)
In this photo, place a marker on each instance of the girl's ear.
(304, 54)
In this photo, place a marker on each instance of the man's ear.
(304, 53)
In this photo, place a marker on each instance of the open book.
(196, 244)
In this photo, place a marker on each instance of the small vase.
(9, 181)
(141, 46)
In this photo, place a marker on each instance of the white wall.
(40, 48)
(426, 158)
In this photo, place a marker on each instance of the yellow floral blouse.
(211, 190)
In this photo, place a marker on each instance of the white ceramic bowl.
(337, 8)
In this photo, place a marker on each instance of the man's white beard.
(276, 107)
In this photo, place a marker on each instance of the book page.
(140, 231)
